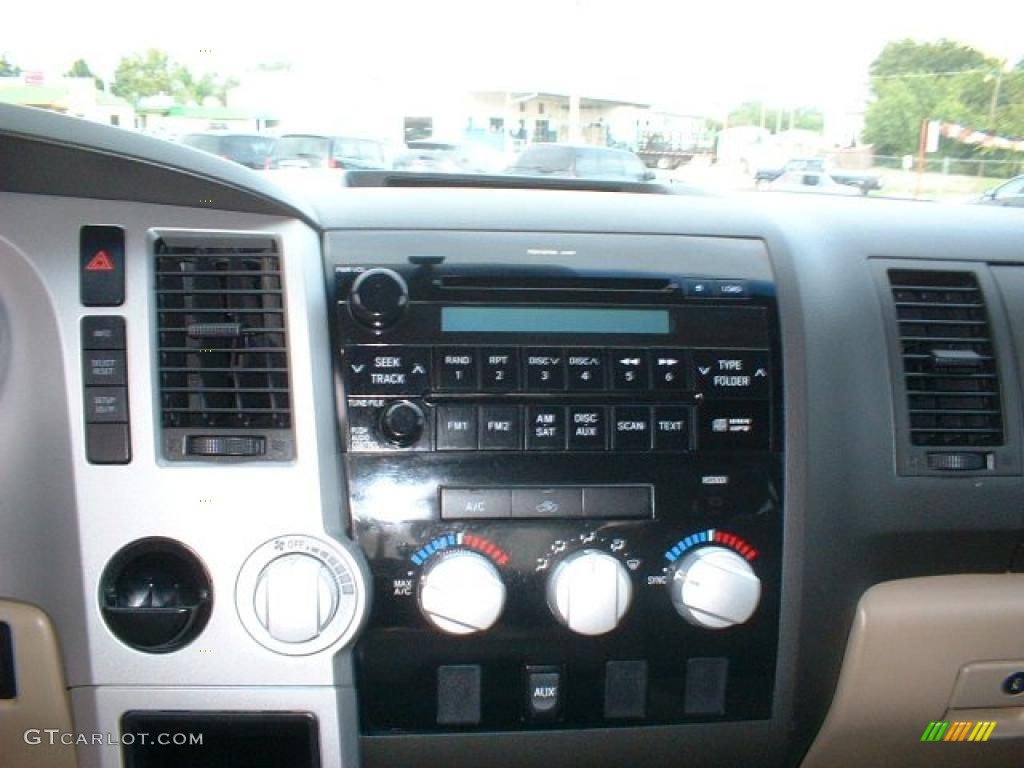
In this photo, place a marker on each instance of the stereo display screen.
(466, 319)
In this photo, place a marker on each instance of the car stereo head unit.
(567, 484)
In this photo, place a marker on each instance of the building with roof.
(75, 96)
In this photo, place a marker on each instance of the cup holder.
(155, 595)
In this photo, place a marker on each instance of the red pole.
(922, 143)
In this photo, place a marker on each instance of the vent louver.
(949, 366)
(223, 358)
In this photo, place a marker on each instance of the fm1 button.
(456, 428)
(544, 693)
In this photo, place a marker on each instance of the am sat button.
(545, 428)
(732, 373)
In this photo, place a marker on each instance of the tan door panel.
(909, 642)
(41, 700)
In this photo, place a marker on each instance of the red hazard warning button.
(101, 258)
(101, 262)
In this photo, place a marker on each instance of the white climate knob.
(589, 592)
(714, 588)
(461, 593)
(296, 597)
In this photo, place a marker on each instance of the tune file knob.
(589, 592)
(714, 588)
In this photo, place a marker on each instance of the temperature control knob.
(714, 588)
(461, 593)
(378, 297)
(589, 592)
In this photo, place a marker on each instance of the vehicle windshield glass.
(886, 100)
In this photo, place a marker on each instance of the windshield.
(889, 100)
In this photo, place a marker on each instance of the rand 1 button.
(456, 368)
(631, 428)
(731, 372)
(456, 428)
(500, 428)
(672, 428)
(545, 369)
(499, 369)
(476, 503)
(545, 428)
(387, 370)
(586, 369)
(106, 405)
(587, 430)
(552, 502)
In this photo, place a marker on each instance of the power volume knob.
(715, 588)
(378, 298)
(589, 592)
(462, 593)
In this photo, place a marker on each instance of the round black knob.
(378, 298)
(402, 423)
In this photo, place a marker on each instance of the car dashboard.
(427, 475)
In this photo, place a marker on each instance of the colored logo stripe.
(958, 731)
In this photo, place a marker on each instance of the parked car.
(248, 149)
(1010, 193)
(580, 162)
(307, 150)
(810, 181)
(862, 181)
(446, 157)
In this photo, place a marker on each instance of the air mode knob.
(589, 592)
(714, 588)
(378, 298)
(462, 593)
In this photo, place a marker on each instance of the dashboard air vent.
(949, 365)
(223, 357)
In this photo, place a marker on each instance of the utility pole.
(995, 98)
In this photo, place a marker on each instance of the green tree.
(154, 72)
(7, 69)
(912, 82)
(81, 69)
(749, 113)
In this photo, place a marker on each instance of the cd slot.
(556, 283)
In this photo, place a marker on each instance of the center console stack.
(564, 466)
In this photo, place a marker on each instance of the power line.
(987, 70)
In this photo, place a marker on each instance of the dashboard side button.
(108, 444)
(544, 693)
(458, 694)
(705, 686)
(625, 690)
